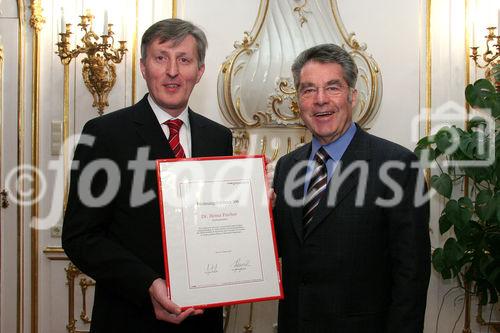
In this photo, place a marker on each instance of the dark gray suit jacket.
(359, 268)
(119, 244)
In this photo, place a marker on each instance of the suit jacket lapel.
(198, 137)
(337, 189)
(302, 156)
(150, 131)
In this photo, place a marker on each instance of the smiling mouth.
(323, 114)
(172, 85)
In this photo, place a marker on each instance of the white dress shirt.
(185, 130)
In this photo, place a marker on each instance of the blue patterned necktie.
(317, 186)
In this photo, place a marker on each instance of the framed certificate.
(218, 234)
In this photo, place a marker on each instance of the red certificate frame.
(218, 233)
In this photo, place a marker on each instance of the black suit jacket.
(360, 267)
(117, 239)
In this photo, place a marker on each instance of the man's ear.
(201, 70)
(354, 97)
(143, 68)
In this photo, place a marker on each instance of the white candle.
(105, 27)
(63, 24)
(498, 25)
(124, 28)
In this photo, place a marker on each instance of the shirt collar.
(163, 116)
(336, 148)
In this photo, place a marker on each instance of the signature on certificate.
(240, 264)
(211, 269)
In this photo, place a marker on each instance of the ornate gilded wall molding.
(20, 161)
(301, 12)
(255, 87)
(36, 22)
(134, 53)
(4, 203)
(72, 272)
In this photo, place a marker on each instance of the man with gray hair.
(118, 242)
(351, 263)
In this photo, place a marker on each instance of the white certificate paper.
(218, 234)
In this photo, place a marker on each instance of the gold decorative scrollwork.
(84, 284)
(72, 272)
(301, 13)
(36, 20)
(99, 76)
(263, 145)
(99, 73)
(276, 150)
(246, 43)
(285, 94)
(282, 108)
(228, 68)
(233, 114)
(241, 142)
(358, 51)
(4, 202)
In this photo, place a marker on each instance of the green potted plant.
(471, 253)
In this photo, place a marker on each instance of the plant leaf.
(444, 224)
(439, 263)
(471, 94)
(466, 202)
(496, 204)
(444, 138)
(425, 141)
(425, 154)
(485, 86)
(468, 145)
(453, 251)
(476, 121)
(478, 174)
(480, 94)
(442, 184)
(485, 205)
(494, 104)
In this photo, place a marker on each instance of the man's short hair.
(176, 30)
(326, 53)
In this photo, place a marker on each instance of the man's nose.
(172, 68)
(321, 97)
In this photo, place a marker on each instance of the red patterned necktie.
(174, 125)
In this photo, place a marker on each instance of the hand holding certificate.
(217, 230)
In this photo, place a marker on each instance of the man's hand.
(270, 177)
(164, 308)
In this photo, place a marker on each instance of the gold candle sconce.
(491, 55)
(101, 55)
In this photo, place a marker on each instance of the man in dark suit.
(354, 245)
(112, 229)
